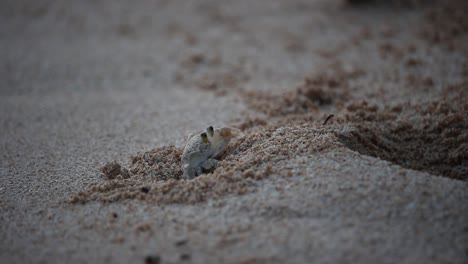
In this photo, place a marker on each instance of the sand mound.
(161, 163)
(114, 170)
(155, 175)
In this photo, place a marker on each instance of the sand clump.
(114, 170)
(446, 24)
(208, 72)
(324, 89)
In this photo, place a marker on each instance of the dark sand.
(97, 99)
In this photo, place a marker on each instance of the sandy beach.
(97, 99)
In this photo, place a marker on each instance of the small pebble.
(185, 257)
(181, 242)
(152, 259)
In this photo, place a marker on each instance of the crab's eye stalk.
(210, 131)
(204, 137)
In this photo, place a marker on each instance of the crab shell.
(196, 151)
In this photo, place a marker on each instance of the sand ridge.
(156, 175)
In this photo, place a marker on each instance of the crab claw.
(226, 132)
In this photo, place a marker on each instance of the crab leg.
(209, 164)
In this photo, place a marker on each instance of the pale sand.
(86, 83)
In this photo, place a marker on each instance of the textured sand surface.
(86, 83)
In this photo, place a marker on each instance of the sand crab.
(202, 149)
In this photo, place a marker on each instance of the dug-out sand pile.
(155, 175)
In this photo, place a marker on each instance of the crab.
(203, 148)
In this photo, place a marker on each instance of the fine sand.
(354, 121)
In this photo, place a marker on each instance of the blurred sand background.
(84, 83)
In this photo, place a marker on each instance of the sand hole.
(433, 139)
